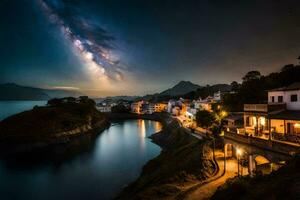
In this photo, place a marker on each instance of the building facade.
(136, 107)
(279, 119)
(161, 107)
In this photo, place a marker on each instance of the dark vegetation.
(183, 162)
(281, 184)
(204, 118)
(41, 123)
(120, 109)
(254, 87)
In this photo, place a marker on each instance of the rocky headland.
(55, 123)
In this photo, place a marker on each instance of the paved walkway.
(207, 190)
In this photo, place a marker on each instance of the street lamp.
(223, 113)
(239, 153)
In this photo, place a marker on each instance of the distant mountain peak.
(10, 84)
(185, 84)
(13, 91)
(180, 88)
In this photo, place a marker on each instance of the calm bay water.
(90, 167)
(8, 108)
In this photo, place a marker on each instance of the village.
(278, 119)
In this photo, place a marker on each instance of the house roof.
(294, 86)
(286, 114)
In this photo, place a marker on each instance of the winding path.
(205, 191)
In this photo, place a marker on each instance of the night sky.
(118, 47)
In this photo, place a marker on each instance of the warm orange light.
(239, 152)
(223, 113)
(262, 121)
(297, 125)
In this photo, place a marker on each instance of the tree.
(252, 75)
(204, 118)
(54, 102)
(83, 99)
(235, 86)
(287, 67)
(120, 109)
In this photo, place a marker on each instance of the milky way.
(90, 40)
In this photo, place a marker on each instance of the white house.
(171, 104)
(202, 104)
(217, 96)
(136, 107)
(279, 118)
(104, 108)
(148, 108)
(289, 95)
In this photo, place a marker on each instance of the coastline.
(183, 162)
(55, 124)
(8, 148)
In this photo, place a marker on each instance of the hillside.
(11, 91)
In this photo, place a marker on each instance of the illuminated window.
(254, 122)
(262, 121)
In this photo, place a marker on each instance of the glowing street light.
(239, 153)
(223, 113)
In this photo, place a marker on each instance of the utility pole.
(224, 158)
(238, 162)
(238, 154)
(241, 167)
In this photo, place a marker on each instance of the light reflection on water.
(95, 168)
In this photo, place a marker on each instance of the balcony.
(273, 145)
(256, 107)
(264, 108)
